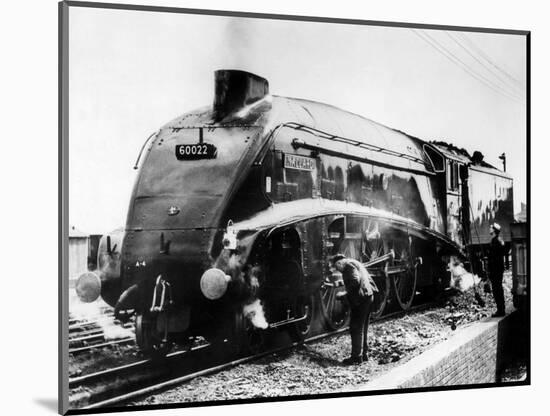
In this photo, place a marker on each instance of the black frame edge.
(320, 19)
(63, 205)
(528, 213)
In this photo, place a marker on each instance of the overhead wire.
(490, 61)
(506, 84)
(457, 61)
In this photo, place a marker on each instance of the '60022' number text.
(195, 151)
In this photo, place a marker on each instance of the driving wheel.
(374, 246)
(403, 272)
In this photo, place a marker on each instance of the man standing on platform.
(360, 288)
(496, 269)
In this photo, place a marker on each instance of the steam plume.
(242, 35)
(255, 313)
(95, 312)
(461, 279)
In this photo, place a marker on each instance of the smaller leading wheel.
(246, 339)
(150, 335)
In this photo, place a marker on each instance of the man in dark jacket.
(360, 288)
(496, 268)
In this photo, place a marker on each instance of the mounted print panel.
(259, 207)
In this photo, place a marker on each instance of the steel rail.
(92, 318)
(96, 330)
(88, 378)
(97, 335)
(91, 334)
(205, 372)
(98, 322)
(82, 324)
(101, 345)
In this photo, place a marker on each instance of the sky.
(130, 72)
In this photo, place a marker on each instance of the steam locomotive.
(237, 208)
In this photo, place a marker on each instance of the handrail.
(143, 147)
(296, 143)
(288, 321)
(358, 143)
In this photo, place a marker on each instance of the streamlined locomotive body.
(238, 207)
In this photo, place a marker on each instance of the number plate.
(196, 151)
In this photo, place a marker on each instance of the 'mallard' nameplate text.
(299, 162)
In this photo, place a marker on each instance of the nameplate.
(299, 162)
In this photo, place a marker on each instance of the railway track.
(125, 383)
(90, 333)
(98, 341)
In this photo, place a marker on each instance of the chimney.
(236, 89)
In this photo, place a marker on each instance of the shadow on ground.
(49, 404)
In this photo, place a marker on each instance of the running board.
(288, 321)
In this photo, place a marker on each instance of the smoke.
(242, 45)
(99, 313)
(461, 279)
(255, 313)
(235, 262)
(86, 311)
(112, 331)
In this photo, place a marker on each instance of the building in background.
(522, 215)
(78, 253)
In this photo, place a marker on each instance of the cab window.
(452, 175)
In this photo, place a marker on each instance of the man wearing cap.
(360, 288)
(496, 268)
